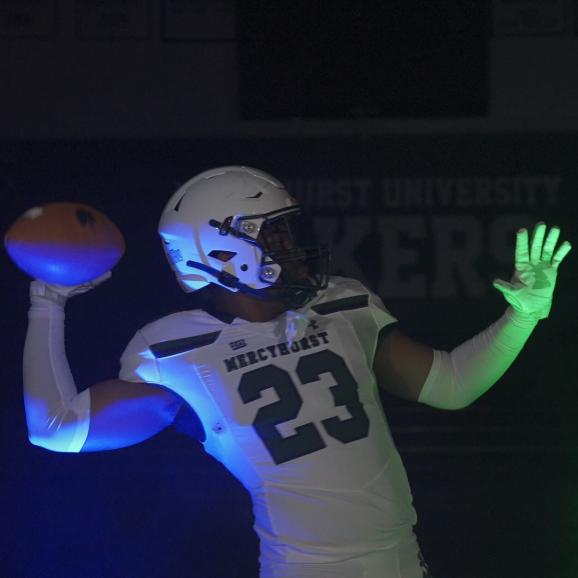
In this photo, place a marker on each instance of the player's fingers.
(562, 251)
(522, 254)
(550, 243)
(537, 242)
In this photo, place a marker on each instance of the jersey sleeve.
(382, 317)
(138, 363)
(383, 323)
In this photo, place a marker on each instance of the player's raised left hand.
(531, 288)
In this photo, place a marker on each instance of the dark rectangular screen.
(365, 58)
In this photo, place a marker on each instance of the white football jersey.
(299, 423)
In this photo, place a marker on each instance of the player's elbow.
(52, 443)
(42, 442)
(464, 402)
(456, 405)
(445, 388)
(60, 429)
(447, 404)
(58, 435)
(447, 395)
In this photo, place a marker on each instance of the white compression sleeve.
(458, 378)
(57, 415)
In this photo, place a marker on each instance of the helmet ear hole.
(244, 267)
(222, 255)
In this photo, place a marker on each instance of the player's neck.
(245, 306)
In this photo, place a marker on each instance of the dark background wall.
(117, 106)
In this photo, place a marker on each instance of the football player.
(282, 365)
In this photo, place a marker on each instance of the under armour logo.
(313, 325)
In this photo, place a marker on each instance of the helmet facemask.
(287, 240)
(293, 267)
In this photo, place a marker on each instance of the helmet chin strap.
(294, 298)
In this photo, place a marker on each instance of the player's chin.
(273, 293)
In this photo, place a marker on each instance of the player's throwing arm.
(69, 249)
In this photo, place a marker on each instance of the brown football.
(64, 243)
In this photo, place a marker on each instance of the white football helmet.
(238, 227)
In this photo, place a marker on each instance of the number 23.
(306, 438)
